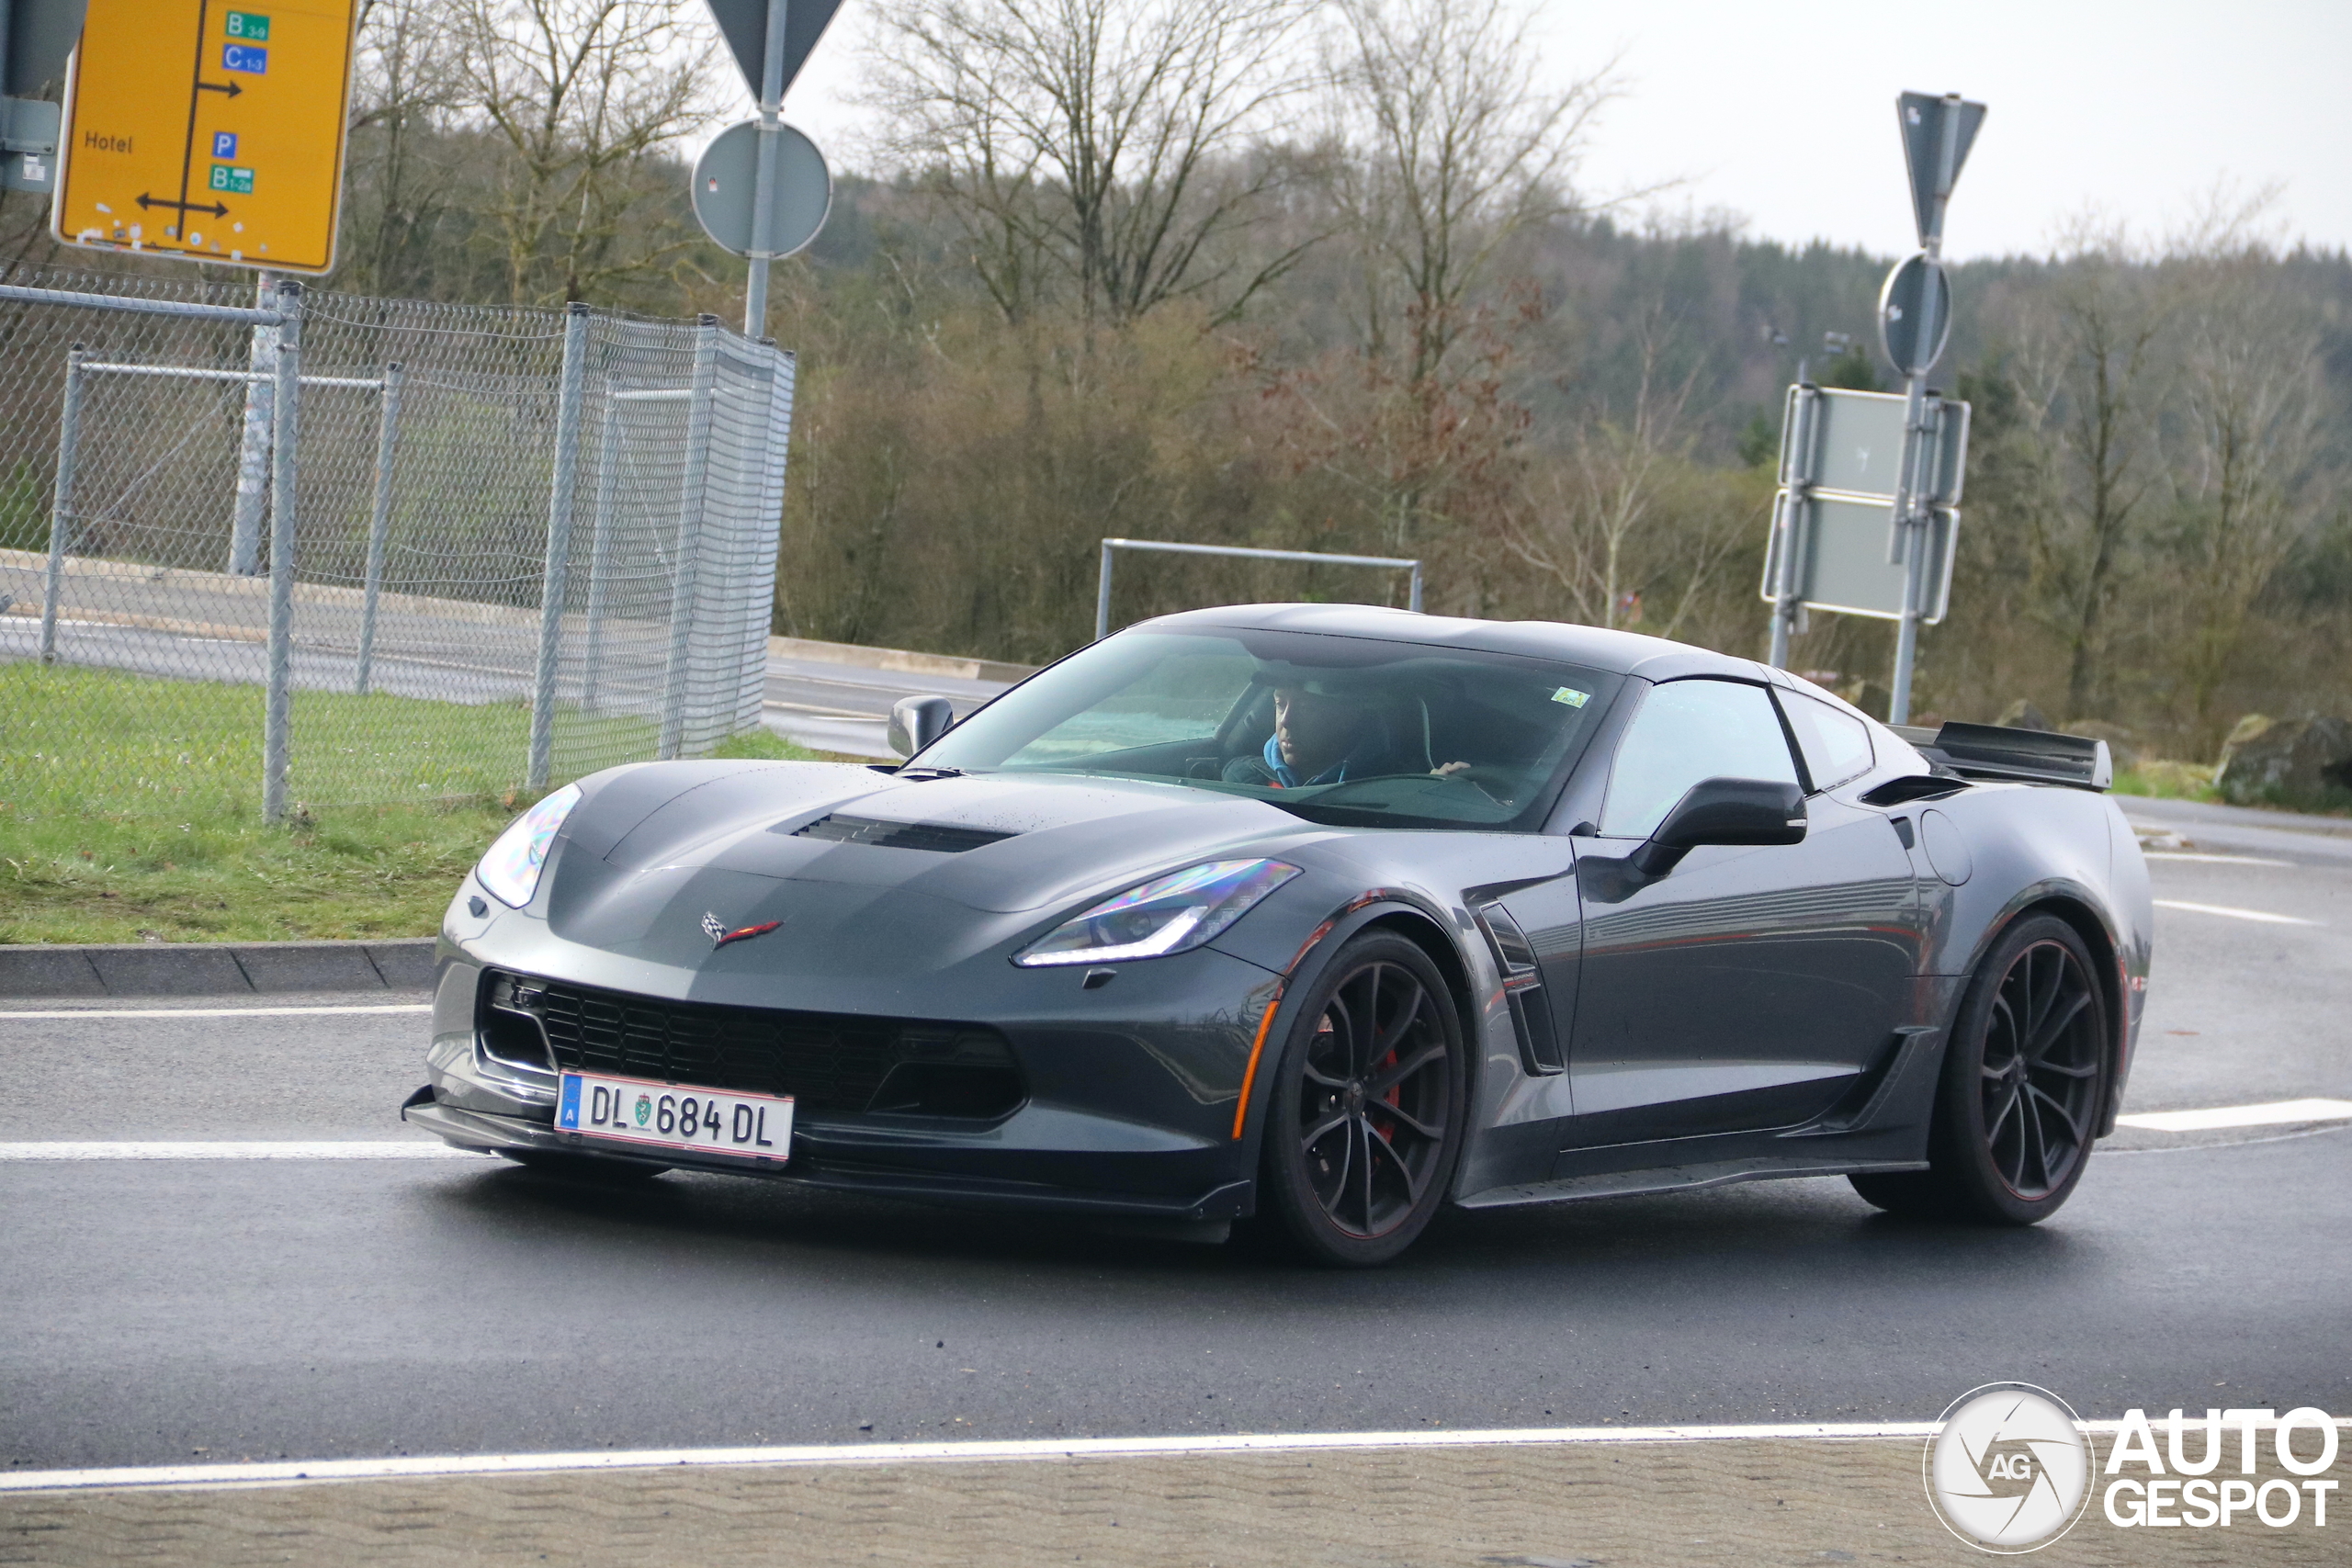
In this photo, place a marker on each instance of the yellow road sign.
(208, 128)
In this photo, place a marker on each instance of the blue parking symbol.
(246, 57)
(224, 144)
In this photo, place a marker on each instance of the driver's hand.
(1449, 770)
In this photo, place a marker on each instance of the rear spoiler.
(1993, 752)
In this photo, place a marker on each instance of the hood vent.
(943, 838)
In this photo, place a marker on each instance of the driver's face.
(1313, 731)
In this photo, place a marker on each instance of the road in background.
(161, 1311)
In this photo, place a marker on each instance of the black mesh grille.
(940, 837)
(826, 1062)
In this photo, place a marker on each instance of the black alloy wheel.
(1365, 1124)
(2024, 1079)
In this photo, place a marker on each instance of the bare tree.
(587, 97)
(2084, 377)
(1595, 525)
(1456, 139)
(402, 173)
(1100, 143)
(2250, 470)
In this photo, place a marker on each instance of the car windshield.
(1338, 729)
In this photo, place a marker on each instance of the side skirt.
(1673, 1179)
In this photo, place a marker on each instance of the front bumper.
(1096, 1136)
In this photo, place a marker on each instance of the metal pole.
(1103, 596)
(690, 508)
(755, 291)
(601, 548)
(253, 458)
(380, 521)
(556, 585)
(61, 505)
(1413, 595)
(278, 716)
(1791, 523)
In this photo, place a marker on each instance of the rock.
(2120, 744)
(2286, 762)
(2022, 715)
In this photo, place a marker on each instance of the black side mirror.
(916, 722)
(1723, 811)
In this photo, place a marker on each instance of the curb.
(213, 968)
(898, 660)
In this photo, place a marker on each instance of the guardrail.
(1164, 547)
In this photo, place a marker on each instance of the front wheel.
(2024, 1076)
(1369, 1105)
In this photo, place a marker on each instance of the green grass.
(131, 806)
(2168, 781)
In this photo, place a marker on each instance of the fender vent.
(938, 836)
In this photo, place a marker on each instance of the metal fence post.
(600, 549)
(555, 587)
(253, 456)
(379, 520)
(1413, 593)
(690, 509)
(277, 716)
(61, 505)
(1103, 596)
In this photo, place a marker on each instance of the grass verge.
(128, 816)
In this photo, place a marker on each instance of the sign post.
(771, 40)
(1849, 457)
(208, 130)
(1915, 322)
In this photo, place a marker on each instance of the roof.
(1623, 653)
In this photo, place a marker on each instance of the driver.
(1323, 738)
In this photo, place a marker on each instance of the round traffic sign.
(727, 171)
(1914, 314)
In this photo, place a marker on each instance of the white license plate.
(675, 1116)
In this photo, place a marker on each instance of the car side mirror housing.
(916, 722)
(1723, 811)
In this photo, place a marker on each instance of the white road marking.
(217, 1013)
(875, 1454)
(2216, 860)
(2263, 915)
(2277, 1112)
(284, 1148)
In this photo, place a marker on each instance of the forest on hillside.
(1328, 276)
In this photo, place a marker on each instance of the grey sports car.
(1324, 918)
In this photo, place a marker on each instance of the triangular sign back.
(1921, 116)
(744, 23)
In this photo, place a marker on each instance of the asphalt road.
(161, 1311)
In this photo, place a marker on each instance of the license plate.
(675, 1116)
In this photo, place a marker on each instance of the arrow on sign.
(232, 88)
(218, 209)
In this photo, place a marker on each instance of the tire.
(1364, 1126)
(586, 1169)
(2023, 1081)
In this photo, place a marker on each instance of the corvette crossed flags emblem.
(716, 928)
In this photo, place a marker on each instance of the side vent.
(1531, 1010)
(939, 837)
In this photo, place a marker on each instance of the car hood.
(652, 850)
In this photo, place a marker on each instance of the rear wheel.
(2023, 1079)
(1369, 1105)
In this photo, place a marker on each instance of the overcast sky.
(1783, 113)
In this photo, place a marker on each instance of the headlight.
(1167, 914)
(511, 869)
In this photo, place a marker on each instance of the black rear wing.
(2023, 756)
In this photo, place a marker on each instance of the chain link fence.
(312, 548)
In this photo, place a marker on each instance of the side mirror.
(1723, 811)
(916, 722)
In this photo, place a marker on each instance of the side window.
(1836, 746)
(1689, 731)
